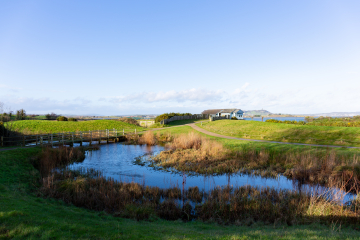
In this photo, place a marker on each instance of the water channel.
(118, 162)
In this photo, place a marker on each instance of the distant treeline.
(324, 121)
(170, 115)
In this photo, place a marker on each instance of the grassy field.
(38, 126)
(285, 132)
(24, 215)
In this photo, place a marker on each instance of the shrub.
(129, 120)
(2, 129)
(72, 119)
(62, 118)
(234, 118)
(50, 116)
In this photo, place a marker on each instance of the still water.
(118, 162)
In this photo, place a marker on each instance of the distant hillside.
(257, 112)
(336, 114)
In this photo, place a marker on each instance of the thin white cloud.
(190, 95)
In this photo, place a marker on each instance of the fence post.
(36, 140)
(41, 140)
(99, 136)
(72, 137)
(2, 141)
(90, 132)
(107, 136)
(81, 138)
(62, 137)
(52, 142)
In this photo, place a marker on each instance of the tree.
(20, 114)
(1, 107)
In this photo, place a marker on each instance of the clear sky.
(127, 57)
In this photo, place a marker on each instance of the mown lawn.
(38, 126)
(24, 215)
(347, 136)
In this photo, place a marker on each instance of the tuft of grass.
(148, 138)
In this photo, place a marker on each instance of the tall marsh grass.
(51, 158)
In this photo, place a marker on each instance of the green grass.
(285, 132)
(23, 215)
(38, 126)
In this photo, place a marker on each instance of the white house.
(228, 113)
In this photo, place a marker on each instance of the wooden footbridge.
(67, 138)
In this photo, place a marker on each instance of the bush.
(2, 129)
(130, 121)
(62, 118)
(50, 116)
(72, 119)
(234, 118)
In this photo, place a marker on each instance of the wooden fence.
(175, 118)
(66, 138)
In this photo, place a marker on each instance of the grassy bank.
(24, 215)
(285, 132)
(37, 126)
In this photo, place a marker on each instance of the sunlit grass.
(38, 126)
(285, 132)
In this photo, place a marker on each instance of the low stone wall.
(175, 118)
(146, 123)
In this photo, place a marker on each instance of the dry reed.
(51, 158)
(148, 138)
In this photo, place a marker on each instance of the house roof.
(211, 111)
(228, 110)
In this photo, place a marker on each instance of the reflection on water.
(118, 162)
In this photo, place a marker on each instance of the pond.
(118, 161)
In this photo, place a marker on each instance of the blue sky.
(127, 57)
